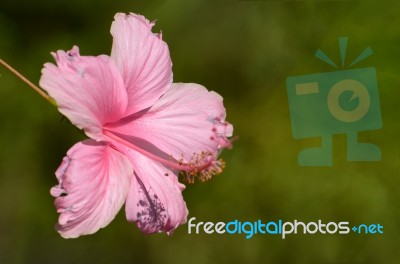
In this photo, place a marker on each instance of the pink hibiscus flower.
(144, 130)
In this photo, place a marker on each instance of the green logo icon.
(338, 102)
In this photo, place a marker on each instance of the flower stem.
(29, 83)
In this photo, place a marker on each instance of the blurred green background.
(244, 50)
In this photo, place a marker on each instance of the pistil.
(202, 165)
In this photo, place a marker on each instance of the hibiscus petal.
(143, 59)
(94, 181)
(155, 200)
(89, 91)
(188, 119)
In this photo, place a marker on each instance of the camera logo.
(338, 102)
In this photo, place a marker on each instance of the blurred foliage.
(244, 50)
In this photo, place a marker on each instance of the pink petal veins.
(186, 121)
(94, 181)
(89, 91)
(155, 201)
(143, 60)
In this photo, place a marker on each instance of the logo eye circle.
(359, 91)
